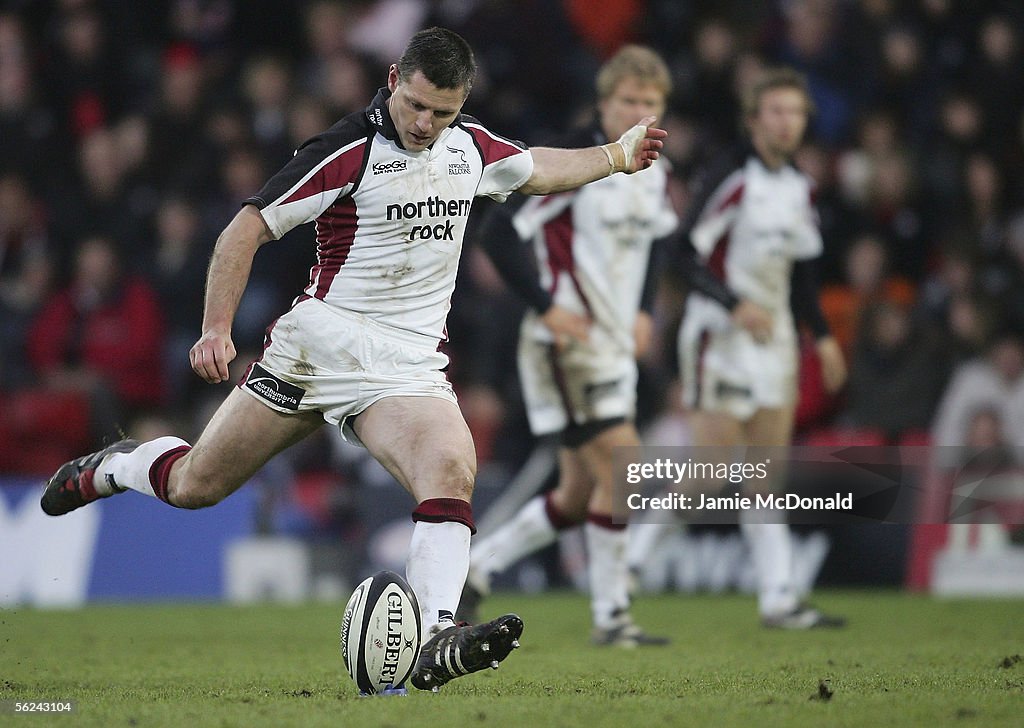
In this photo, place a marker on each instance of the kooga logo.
(397, 165)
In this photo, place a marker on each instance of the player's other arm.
(507, 251)
(717, 193)
(558, 170)
(698, 277)
(225, 281)
(807, 309)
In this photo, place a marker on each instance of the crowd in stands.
(130, 132)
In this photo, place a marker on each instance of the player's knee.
(570, 499)
(193, 498)
(456, 474)
(193, 493)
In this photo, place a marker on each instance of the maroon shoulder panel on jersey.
(493, 148)
(332, 172)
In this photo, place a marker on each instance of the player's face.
(630, 102)
(779, 124)
(421, 110)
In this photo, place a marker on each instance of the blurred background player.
(753, 226)
(578, 344)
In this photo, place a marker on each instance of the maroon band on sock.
(604, 520)
(160, 471)
(559, 521)
(442, 510)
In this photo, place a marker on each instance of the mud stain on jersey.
(397, 273)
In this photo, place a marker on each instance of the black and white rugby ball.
(380, 633)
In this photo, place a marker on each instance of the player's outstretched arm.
(225, 281)
(557, 170)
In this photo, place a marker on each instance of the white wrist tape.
(630, 142)
(607, 153)
(616, 156)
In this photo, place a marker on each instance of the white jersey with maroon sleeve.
(389, 222)
(593, 245)
(749, 230)
(593, 248)
(749, 224)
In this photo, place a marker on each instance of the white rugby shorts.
(723, 369)
(322, 358)
(582, 383)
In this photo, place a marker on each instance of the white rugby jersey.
(593, 245)
(749, 225)
(389, 222)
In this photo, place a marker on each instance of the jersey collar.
(751, 151)
(380, 118)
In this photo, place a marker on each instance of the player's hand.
(211, 355)
(755, 319)
(565, 325)
(637, 148)
(643, 333)
(833, 365)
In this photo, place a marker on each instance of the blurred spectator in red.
(176, 154)
(867, 282)
(206, 24)
(605, 25)
(102, 335)
(82, 70)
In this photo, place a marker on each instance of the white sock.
(131, 469)
(643, 538)
(436, 570)
(529, 530)
(609, 574)
(772, 551)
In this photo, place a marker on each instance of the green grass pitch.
(904, 660)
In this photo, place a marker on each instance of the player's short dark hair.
(442, 56)
(770, 80)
